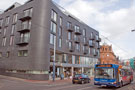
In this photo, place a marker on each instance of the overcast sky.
(114, 19)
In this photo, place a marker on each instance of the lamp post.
(54, 57)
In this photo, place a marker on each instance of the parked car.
(80, 78)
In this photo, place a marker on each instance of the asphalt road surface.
(20, 84)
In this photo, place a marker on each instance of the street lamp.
(54, 57)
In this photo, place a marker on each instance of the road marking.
(64, 87)
(84, 88)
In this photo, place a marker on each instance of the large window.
(77, 46)
(54, 15)
(60, 32)
(23, 53)
(53, 27)
(25, 37)
(77, 28)
(4, 41)
(61, 21)
(5, 30)
(69, 35)
(69, 25)
(28, 12)
(11, 40)
(60, 42)
(84, 32)
(70, 44)
(26, 24)
(13, 29)
(7, 20)
(1, 22)
(52, 38)
(15, 18)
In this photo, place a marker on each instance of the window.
(15, 18)
(4, 41)
(7, 54)
(23, 53)
(70, 44)
(25, 37)
(13, 29)
(69, 25)
(11, 40)
(0, 54)
(5, 30)
(54, 15)
(90, 42)
(60, 32)
(69, 35)
(1, 22)
(52, 38)
(84, 32)
(53, 27)
(26, 25)
(77, 46)
(60, 42)
(28, 12)
(60, 21)
(77, 28)
(89, 51)
(7, 20)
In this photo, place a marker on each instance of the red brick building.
(107, 55)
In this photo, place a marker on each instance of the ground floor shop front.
(70, 70)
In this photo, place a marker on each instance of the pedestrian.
(62, 76)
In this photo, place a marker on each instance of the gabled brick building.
(107, 55)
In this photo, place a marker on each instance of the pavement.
(12, 83)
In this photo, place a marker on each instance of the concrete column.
(82, 69)
(72, 71)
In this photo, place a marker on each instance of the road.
(20, 84)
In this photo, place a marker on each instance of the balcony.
(24, 29)
(70, 28)
(85, 51)
(91, 44)
(22, 42)
(98, 39)
(92, 37)
(78, 32)
(71, 48)
(25, 17)
(86, 43)
(77, 40)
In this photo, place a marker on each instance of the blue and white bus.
(112, 75)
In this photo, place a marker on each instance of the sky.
(114, 19)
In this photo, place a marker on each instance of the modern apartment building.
(27, 38)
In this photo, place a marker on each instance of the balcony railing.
(77, 40)
(70, 28)
(85, 51)
(71, 48)
(91, 44)
(25, 17)
(78, 31)
(92, 37)
(85, 42)
(24, 29)
(98, 39)
(22, 42)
